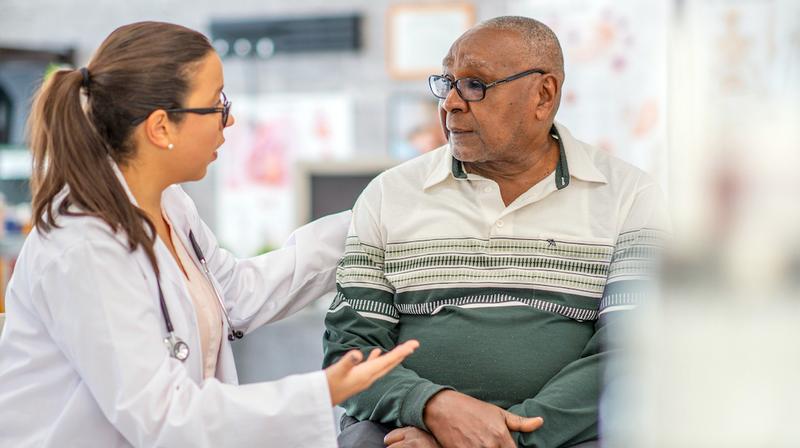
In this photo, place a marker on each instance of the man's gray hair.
(542, 41)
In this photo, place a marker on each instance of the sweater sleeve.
(569, 401)
(363, 316)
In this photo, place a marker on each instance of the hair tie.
(85, 72)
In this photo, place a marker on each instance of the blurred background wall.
(616, 91)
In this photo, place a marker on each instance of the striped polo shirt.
(502, 298)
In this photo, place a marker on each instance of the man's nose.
(453, 101)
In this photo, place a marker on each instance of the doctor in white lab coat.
(83, 359)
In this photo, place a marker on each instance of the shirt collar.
(443, 167)
(574, 161)
(581, 165)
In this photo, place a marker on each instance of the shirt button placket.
(498, 227)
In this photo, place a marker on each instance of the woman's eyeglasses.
(225, 109)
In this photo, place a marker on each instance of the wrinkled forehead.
(468, 61)
(485, 49)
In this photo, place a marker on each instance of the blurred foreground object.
(714, 362)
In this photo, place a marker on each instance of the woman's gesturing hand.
(349, 375)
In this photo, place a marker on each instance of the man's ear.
(158, 129)
(549, 94)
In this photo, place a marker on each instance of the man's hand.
(457, 420)
(410, 437)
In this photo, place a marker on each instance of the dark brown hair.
(76, 124)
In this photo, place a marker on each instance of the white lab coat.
(82, 357)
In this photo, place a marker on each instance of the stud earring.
(170, 147)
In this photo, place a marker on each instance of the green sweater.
(514, 320)
(497, 354)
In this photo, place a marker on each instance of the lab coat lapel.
(175, 288)
(226, 367)
(176, 294)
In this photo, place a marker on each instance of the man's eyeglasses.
(469, 89)
(225, 109)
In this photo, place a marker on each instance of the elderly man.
(507, 253)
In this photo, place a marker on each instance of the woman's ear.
(158, 129)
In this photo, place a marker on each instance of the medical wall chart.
(256, 165)
(615, 91)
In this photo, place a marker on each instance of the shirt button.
(488, 189)
(499, 223)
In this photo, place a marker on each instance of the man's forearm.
(569, 402)
(398, 398)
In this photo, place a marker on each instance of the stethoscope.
(179, 349)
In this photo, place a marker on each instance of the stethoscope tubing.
(232, 334)
(178, 349)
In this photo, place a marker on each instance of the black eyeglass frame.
(484, 86)
(225, 110)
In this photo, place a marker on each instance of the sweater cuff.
(523, 411)
(411, 411)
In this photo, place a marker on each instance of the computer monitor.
(328, 187)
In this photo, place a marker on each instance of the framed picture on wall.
(419, 35)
